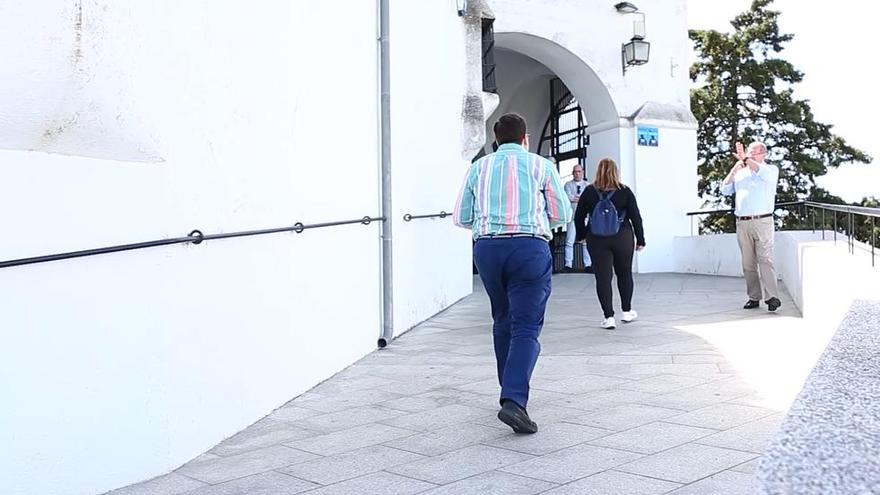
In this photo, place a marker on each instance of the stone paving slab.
(170, 484)
(750, 437)
(268, 483)
(437, 442)
(615, 483)
(648, 408)
(687, 463)
(341, 467)
(347, 440)
(238, 466)
(653, 437)
(460, 464)
(381, 483)
(265, 434)
(724, 483)
(572, 463)
(494, 483)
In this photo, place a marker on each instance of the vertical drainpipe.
(385, 147)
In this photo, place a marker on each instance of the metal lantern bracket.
(637, 50)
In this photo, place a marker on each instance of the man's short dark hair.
(510, 128)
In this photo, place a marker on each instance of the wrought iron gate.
(564, 138)
(565, 133)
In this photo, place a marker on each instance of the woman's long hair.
(607, 177)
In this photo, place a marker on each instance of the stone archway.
(537, 60)
(580, 78)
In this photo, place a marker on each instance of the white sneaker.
(629, 316)
(608, 324)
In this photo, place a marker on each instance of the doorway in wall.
(564, 138)
(558, 94)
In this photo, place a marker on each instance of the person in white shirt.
(754, 183)
(574, 188)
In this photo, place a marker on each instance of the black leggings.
(613, 253)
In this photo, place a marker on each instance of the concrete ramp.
(830, 440)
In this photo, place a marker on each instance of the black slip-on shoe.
(752, 304)
(773, 304)
(589, 269)
(517, 418)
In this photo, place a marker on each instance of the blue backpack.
(605, 221)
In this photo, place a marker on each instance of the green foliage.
(863, 224)
(744, 92)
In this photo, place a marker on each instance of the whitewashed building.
(126, 121)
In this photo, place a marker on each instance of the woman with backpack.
(613, 232)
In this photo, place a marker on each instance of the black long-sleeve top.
(623, 199)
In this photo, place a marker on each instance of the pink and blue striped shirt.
(512, 191)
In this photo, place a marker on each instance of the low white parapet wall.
(822, 276)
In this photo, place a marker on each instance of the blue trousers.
(516, 274)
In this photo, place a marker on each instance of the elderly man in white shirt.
(574, 188)
(754, 183)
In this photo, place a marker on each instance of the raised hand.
(740, 153)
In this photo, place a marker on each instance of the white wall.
(524, 88)
(719, 254)
(593, 31)
(825, 276)
(67, 100)
(716, 254)
(580, 42)
(127, 121)
(432, 257)
(665, 183)
(606, 144)
(166, 116)
(577, 74)
(822, 277)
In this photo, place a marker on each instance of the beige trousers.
(755, 239)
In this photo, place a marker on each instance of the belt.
(509, 236)
(755, 217)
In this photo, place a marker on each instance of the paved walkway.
(662, 405)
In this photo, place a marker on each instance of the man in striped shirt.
(512, 200)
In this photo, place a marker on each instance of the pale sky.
(836, 49)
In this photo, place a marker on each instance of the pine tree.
(744, 92)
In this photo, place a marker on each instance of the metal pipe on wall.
(385, 150)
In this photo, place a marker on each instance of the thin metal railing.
(852, 212)
(693, 214)
(811, 206)
(443, 214)
(194, 237)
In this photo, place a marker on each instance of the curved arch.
(577, 75)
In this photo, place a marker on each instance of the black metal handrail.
(858, 210)
(692, 214)
(849, 229)
(730, 210)
(195, 237)
(442, 214)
